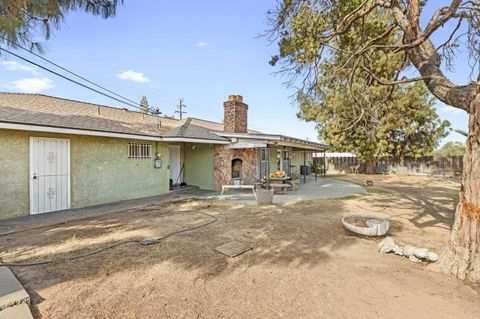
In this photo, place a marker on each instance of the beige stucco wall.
(100, 171)
(14, 163)
(199, 163)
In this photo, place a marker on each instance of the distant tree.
(21, 21)
(451, 149)
(144, 107)
(405, 125)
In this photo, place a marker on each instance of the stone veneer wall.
(223, 165)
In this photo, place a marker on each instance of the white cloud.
(17, 66)
(31, 85)
(130, 75)
(202, 44)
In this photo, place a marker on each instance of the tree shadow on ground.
(433, 206)
(288, 237)
(294, 236)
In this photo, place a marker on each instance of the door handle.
(34, 176)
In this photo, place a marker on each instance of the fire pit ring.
(374, 226)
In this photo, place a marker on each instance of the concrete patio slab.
(11, 291)
(322, 188)
(25, 223)
(21, 311)
(233, 248)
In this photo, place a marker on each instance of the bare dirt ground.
(303, 263)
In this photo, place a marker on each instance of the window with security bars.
(139, 150)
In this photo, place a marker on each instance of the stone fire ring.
(375, 226)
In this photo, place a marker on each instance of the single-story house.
(59, 154)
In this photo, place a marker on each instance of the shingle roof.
(44, 110)
(189, 130)
(38, 109)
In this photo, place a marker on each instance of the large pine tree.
(21, 21)
(306, 42)
(369, 119)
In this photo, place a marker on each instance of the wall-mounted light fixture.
(158, 161)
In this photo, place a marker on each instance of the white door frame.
(31, 172)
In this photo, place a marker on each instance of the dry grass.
(303, 263)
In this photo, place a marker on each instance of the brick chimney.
(235, 115)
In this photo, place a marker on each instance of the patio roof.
(281, 140)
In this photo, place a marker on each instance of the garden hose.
(100, 250)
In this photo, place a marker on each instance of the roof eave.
(193, 140)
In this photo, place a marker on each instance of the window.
(264, 164)
(264, 154)
(139, 150)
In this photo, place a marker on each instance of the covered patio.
(267, 161)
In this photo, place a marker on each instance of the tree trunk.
(369, 167)
(462, 257)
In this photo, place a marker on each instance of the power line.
(180, 107)
(152, 110)
(71, 80)
(67, 70)
(136, 106)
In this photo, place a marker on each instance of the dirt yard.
(303, 263)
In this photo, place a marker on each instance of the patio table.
(277, 182)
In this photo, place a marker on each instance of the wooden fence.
(448, 166)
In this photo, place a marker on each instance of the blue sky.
(201, 51)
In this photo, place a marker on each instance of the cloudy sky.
(201, 51)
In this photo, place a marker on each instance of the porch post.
(304, 165)
(324, 164)
(268, 166)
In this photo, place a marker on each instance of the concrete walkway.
(322, 188)
(14, 300)
(60, 217)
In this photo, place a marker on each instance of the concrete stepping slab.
(11, 291)
(233, 248)
(21, 311)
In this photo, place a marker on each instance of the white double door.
(49, 174)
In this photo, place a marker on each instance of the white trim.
(193, 140)
(49, 129)
(69, 176)
(273, 137)
(252, 136)
(30, 176)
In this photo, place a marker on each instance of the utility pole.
(180, 108)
